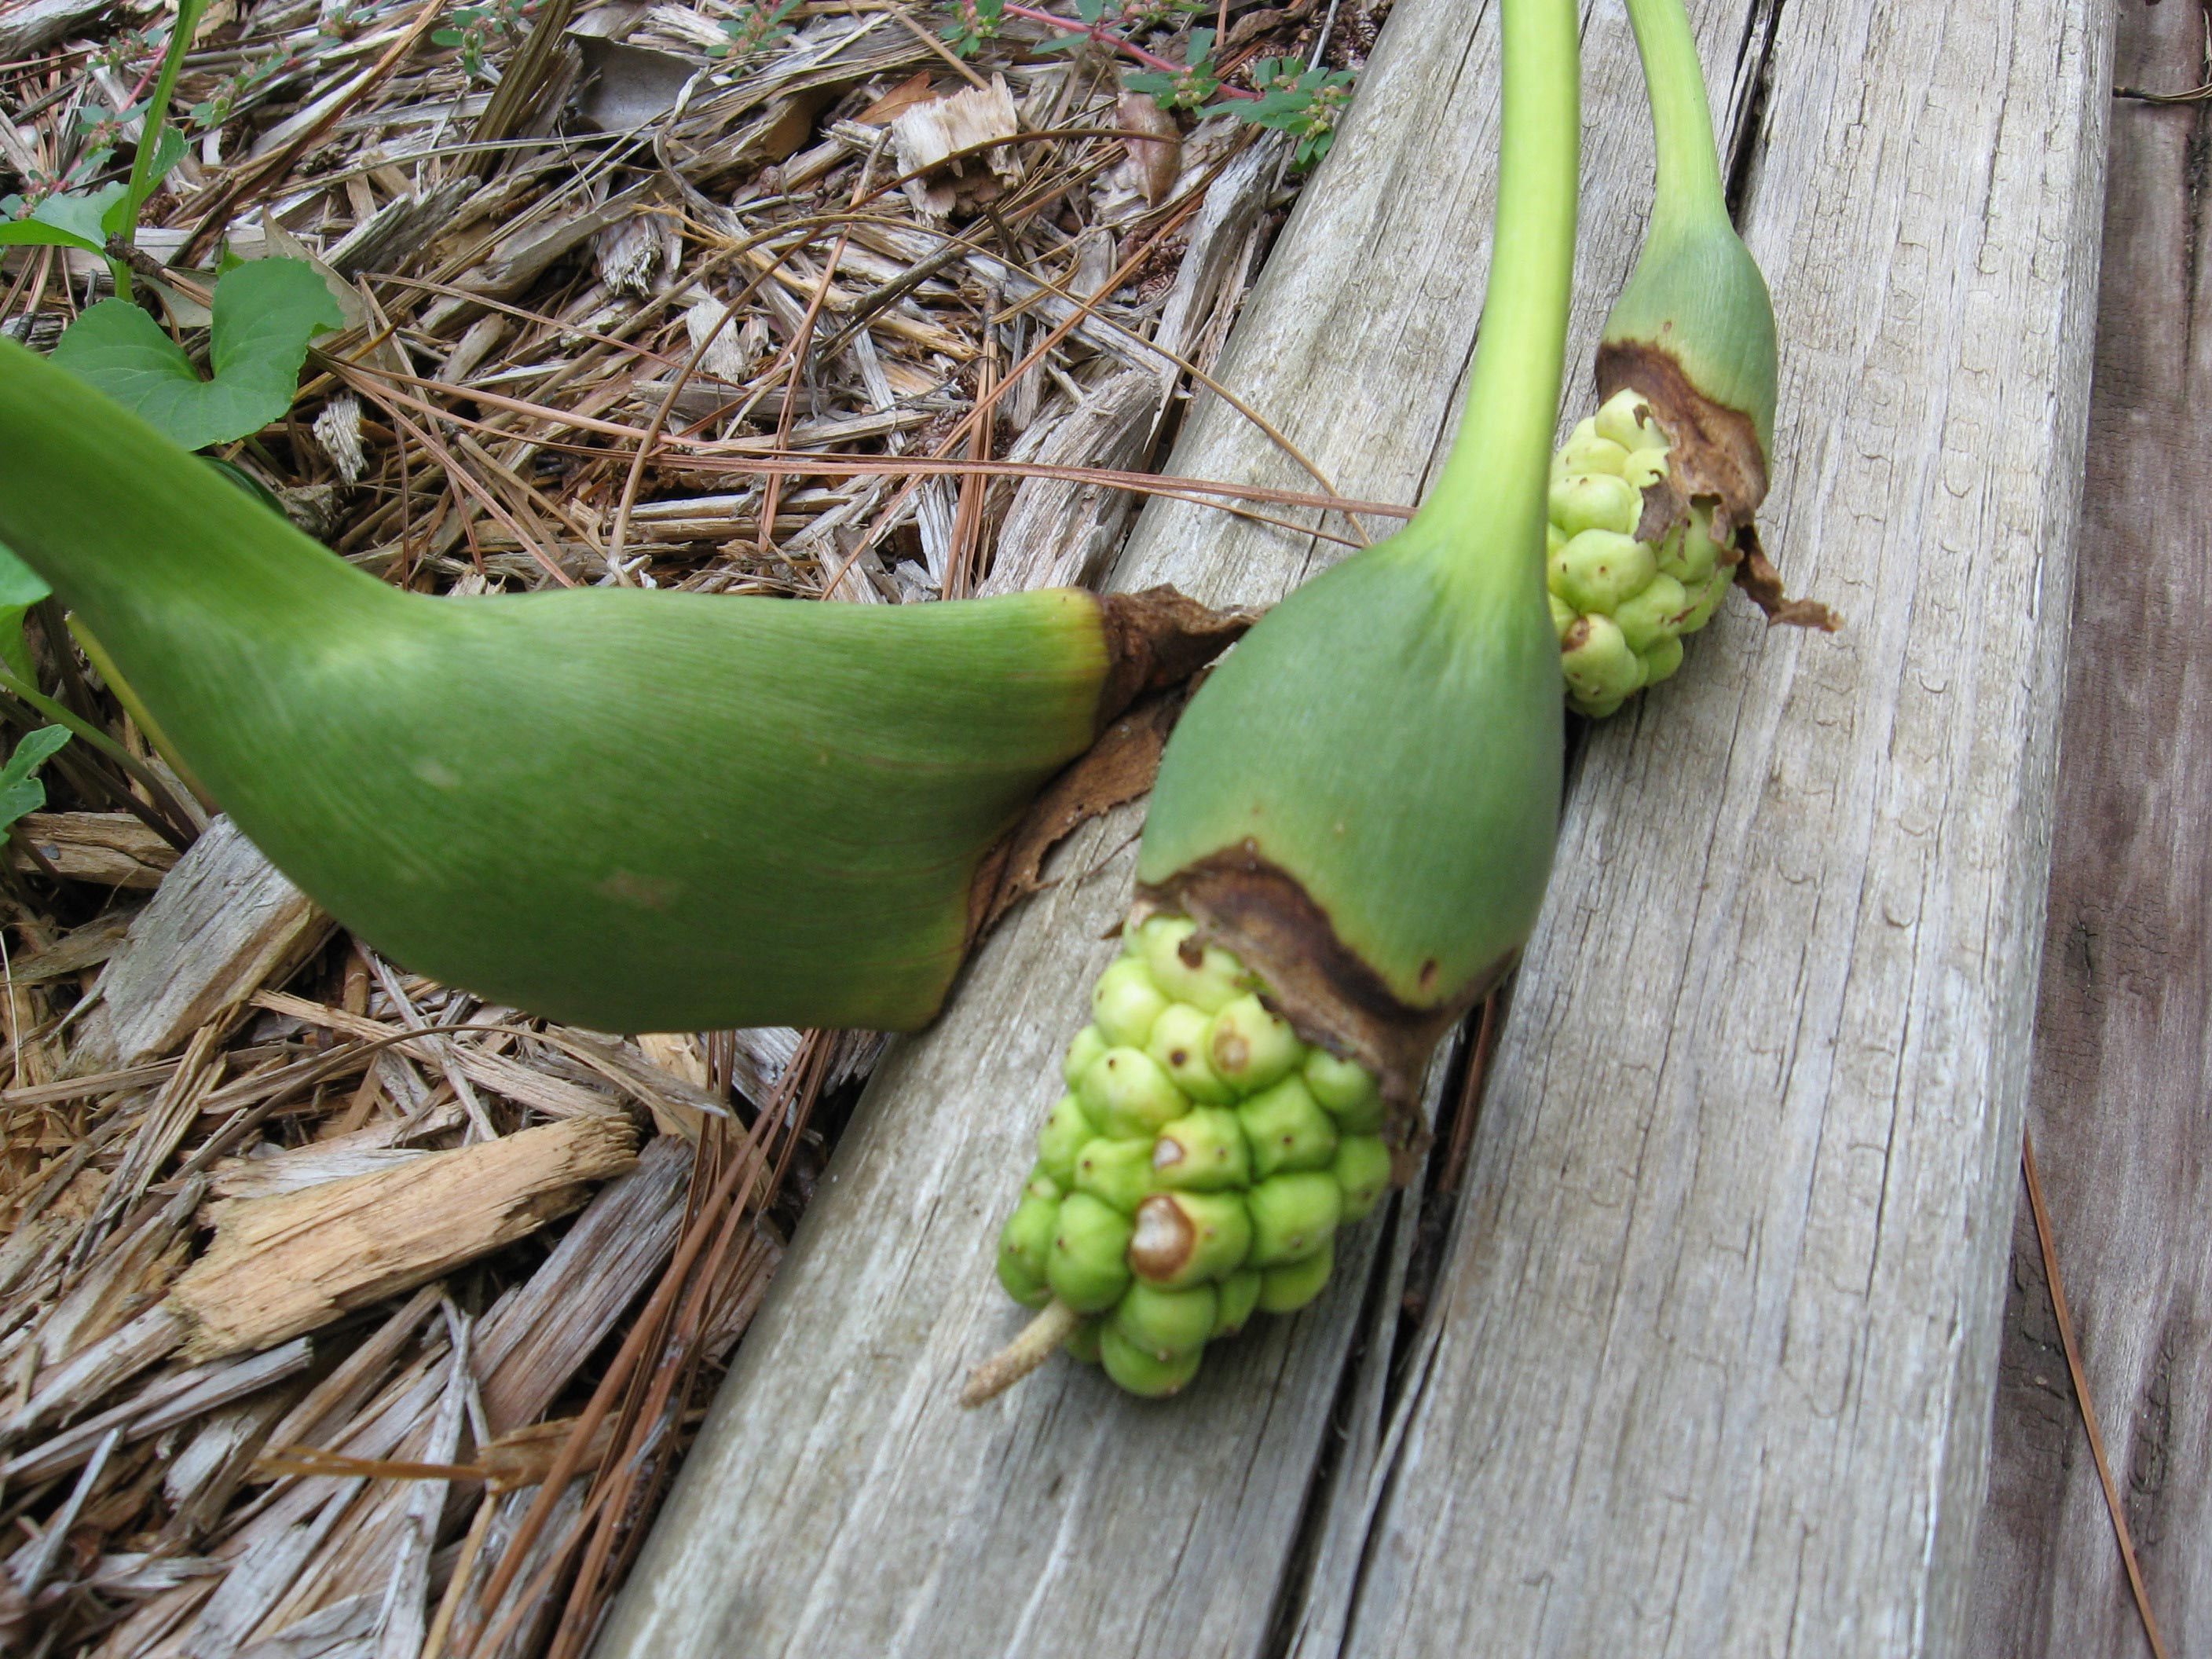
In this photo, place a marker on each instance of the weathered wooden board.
(1715, 1353)
(838, 1502)
(1712, 1369)
(2124, 1027)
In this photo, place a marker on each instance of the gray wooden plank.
(1717, 1344)
(837, 1501)
(2124, 1026)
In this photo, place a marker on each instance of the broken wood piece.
(114, 849)
(224, 923)
(281, 1266)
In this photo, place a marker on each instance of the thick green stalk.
(1504, 438)
(629, 810)
(1681, 119)
(1693, 330)
(1361, 804)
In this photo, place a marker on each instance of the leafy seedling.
(21, 790)
(265, 313)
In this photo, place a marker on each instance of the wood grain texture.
(1715, 1352)
(1710, 1371)
(838, 1502)
(2124, 1028)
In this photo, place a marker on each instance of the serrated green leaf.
(21, 792)
(66, 220)
(265, 313)
(20, 587)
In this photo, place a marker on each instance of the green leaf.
(265, 313)
(66, 220)
(21, 792)
(20, 587)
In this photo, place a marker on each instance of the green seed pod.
(1125, 1002)
(1126, 1094)
(1655, 614)
(1595, 501)
(1041, 1184)
(1288, 1288)
(1347, 1092)
(1089, 1043)
(1287, 1129)
(1203, 1150)
(1292, 1216)
(1190, 1239)
(1145, 1375)
(1591, 456)
(1599, 569)
(1025, 1249)
(1250, 1047)
(1179, 1045)
(1564, 616)
(1209, 978)
(1361, 1170)
(1087, 1267)
(1601, 669)
(1117, 1172)
(1082, 1344)
(1625, 418)
(1165, 1323)
(1068, 1129)
(1661, 661)
(1239, 1296)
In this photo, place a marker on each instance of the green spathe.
(1391, 735)
(629, 809)
(1698, 295)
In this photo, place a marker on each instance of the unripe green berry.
(1346, 1091)
(1178, 1045)
(1210, 978)
(1598, 500)
(1068, 1129)
(1088, 1266)
(1125, 1002)
(1583, 456)
(1025, 1250)
(1082, 1344)
(1165, 1323)
(1240, 1294)
(1598, 569)
(1661, 661)
(1126, 1094)
(1626, 419)
(1042, 1183)
(1250, 1047)
(1292, 1216)
(1705, 598)
(1361, 1170)
(1190, 1239)
(1655, 614)
(1141, 1373)
(1203, 1150)
(1089, 1043)
(1564, 616)
(1287, 1129)
(1116, 1172)
(1286, 1290)
(1599, 668)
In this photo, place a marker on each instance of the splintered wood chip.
(282, 1267)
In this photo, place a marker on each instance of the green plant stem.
(1689, 185)
(165, 802)
(1502, 459)
(157, 114)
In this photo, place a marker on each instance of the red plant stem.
(1105, 36)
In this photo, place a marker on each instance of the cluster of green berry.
(1198, 1169)
(1622, 605)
